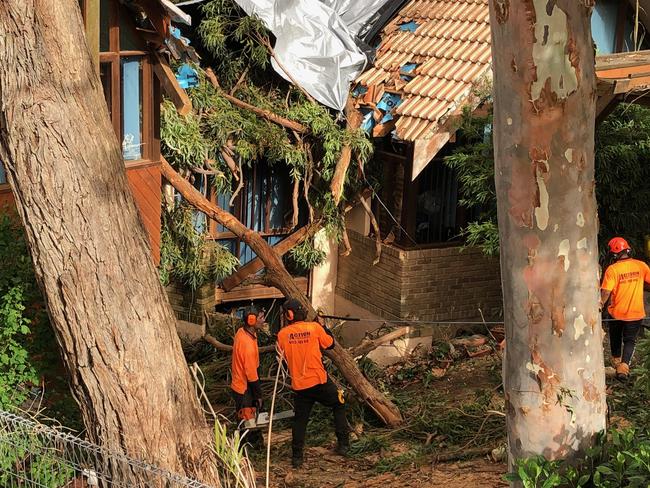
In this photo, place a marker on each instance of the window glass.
(131, 107)
(3, 177)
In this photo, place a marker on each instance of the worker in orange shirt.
(300, 343)
(245, 384)
(623, 285)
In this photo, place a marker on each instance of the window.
(263, 205)
(127, 80)
(3, 176)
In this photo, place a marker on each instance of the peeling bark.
(90, 250)
(544, 111)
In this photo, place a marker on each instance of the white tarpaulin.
(315, 42)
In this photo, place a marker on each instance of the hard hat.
(618, 245)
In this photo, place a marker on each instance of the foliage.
(621, 458)
(25, 457)
(306, 255)
(236, 470)
(622, 174)
(622, 159)
(15, 369)
(186, 254)
(237, 48)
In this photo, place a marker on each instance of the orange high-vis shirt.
(245, 361)
(301, 343)
(625, 280)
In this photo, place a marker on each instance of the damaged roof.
(432, 54)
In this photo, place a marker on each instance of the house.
(432, 60)
(125, 39)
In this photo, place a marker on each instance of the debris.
(475, 340)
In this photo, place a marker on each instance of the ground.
(446, 418)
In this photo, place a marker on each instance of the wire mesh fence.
(36, 455)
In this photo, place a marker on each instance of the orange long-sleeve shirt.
(245, 361)
(301, 343)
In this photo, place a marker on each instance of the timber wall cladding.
(145, 185)
(430, 284)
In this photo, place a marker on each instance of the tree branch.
(367, 345)
(338, 180)
(265, 114)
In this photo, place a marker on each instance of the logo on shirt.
(631, 276)
(299, 337)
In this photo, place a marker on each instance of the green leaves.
(187, 256)
(620, 459)
(15, 369)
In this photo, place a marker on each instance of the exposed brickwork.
(191, 306)
(431, 284)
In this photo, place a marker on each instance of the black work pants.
(622, 335)
(328, 396)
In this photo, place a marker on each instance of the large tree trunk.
(278, 276)
(544, 109)
(109, 311)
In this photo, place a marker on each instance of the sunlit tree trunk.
(544, 111)
(107, 307)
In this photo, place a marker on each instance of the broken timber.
(170, 85)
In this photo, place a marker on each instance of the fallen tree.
(278, 276)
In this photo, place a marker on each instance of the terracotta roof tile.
(451, 47)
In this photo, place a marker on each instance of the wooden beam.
(170, 85)
(281, 248)
(256, 292)
(92, 27)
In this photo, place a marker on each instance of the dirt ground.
(324, 468)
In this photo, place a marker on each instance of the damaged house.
(433, 61)
(129, 41)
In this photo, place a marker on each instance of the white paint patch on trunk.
(550, 52)
(563, 250)
(509, 121)
(580, 326)
(568, 154)
(582, 243)
(541, 212)
(580, 220)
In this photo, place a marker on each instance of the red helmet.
(618, 245)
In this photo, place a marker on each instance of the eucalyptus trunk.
(544, 113)
(113, 324)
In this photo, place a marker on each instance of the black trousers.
(328, 396)
(622, 335)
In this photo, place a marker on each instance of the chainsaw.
(262, 419)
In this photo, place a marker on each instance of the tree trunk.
(278, 276)
(544, 109)
(111, 318)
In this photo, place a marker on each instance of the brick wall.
(431, 284)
